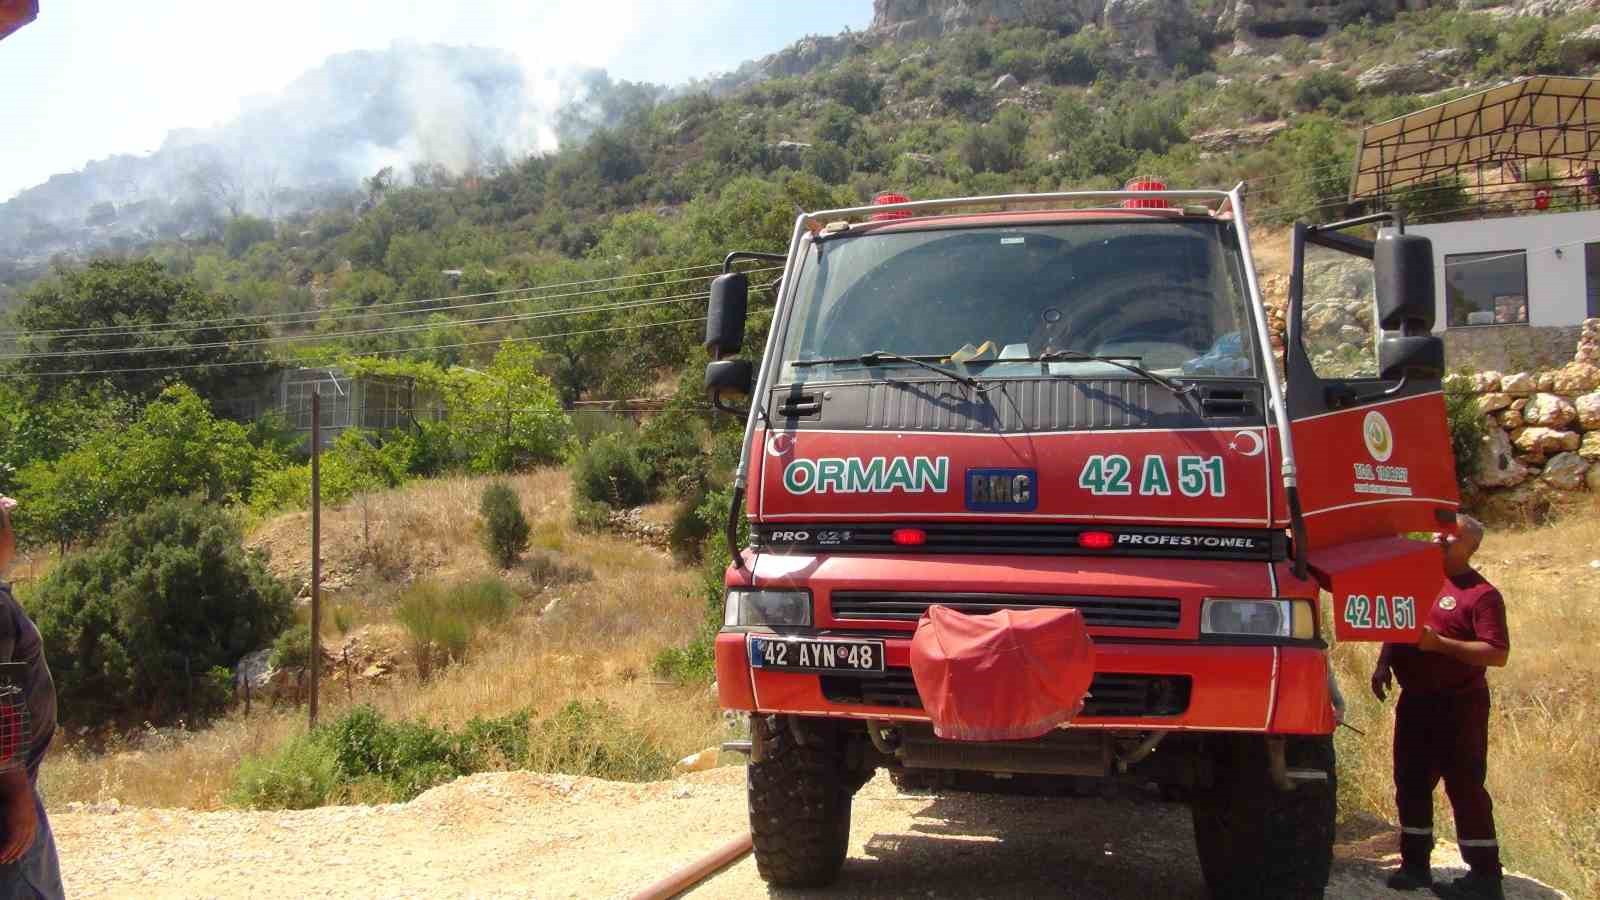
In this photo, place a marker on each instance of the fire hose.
(697, 871)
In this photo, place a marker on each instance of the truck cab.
(971, 410)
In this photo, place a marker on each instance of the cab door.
(1366, 406)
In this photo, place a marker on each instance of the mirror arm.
(731, 258)
(1398, 387)
(720, 406)
(1342, 397)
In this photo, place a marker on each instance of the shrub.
(1323, 88)
(610, 471)
(133, 625)
(592, 738)
(300, 775)
(292, 649)
(442, 622)
(505, 528)
(1467, 429)
(588, 516)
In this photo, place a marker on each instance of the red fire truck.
(1030, 502)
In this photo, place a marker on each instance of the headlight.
(747, 607)
(1258, 618)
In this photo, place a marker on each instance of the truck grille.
(1111, 695)
(1098, 612)
(1024, 539)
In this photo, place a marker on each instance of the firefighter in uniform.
(1441, 728)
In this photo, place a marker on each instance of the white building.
(1538, 270)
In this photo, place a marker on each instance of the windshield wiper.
(1121, 363)
(879, 357)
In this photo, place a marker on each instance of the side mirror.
(730, 296)
(1403, 268)
(729, 379)
(1414, 357)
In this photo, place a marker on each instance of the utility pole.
(316, 546)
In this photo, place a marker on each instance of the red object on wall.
(1541, 199)
(16, 13)
(1011, 675)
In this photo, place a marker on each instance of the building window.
(1487, 288)
(1591, 277)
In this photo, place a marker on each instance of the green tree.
(113, 316)
(509, 416)
(175, 448)
(505, 528)
(134, 625)
(243, 232)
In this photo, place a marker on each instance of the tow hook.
(1283, 777)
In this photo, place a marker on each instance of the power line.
(321, 318)
(266, 317)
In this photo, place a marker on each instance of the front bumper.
(1273, 689)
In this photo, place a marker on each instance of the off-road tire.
(799, 807)
(1256, 841)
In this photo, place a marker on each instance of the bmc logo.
(1013, 490)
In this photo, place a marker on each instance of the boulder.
(1580, 47)
(1400, 78)
(1546, 381)
(254, 669)
(1591, 479)
(1444, 56)
(1590, 448)
(1488, 403)
(1565, 471)
(1224, 140)
(1497, 466)
(1575, 378)
(1549, 410)
(1510, 419)
(1521, 383)
(1486, 381)
(1587, 408)
(1519, 404)
(1006, 82)
(1538, 442)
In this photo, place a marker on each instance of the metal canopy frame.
(1541, 117)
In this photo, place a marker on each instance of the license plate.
(816, 655)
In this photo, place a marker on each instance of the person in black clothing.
(28, 864)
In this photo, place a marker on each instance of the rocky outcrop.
(1400, 78)
(1308, 18)
(1146, 29)
(1225, 140)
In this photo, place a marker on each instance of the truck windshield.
(1165, 295)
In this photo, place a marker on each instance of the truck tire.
(799, 807)
(913, 780)
(1256, 841)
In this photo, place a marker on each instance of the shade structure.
(16, 13)
(1542, 117)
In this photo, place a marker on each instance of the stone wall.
(1542, 427)
(1509, 348)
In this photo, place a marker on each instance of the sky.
(92, 78)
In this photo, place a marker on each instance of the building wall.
(1557, 289)
(1557, 285)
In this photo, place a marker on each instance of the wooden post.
(316, 546)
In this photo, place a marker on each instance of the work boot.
(1410, 878)
(1471, 886)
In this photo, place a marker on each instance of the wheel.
(799, 806)
(1256, 841)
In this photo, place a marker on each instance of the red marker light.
(1145, 184)
(909, 537)
(1096, 540)
(886, 197)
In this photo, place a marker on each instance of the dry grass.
(596, 642)
(1544, 756)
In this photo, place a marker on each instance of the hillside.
(937, 98)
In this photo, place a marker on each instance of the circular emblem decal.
(780, 444)
(1447, 602)
(1247, 443)
(1379, 436)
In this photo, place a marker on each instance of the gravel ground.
(519, 834)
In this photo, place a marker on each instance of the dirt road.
(519, 834)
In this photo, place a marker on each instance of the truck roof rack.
(1220, 198)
